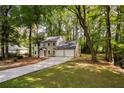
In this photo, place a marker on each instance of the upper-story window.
(48, 44)
(54, 44)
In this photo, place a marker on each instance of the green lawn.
(75, 73)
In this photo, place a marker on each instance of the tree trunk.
(5, 30)
(82, 21)
(6, 37)
(4, 41)
(38, 43)
(68, 35)
(117, 36)
(108, 35)
(6, 46)
(76, 28)
(2, 44)
(59, 27)
(73, 38)
(30, 41)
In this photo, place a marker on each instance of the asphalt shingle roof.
(67, 45)
(51, 39)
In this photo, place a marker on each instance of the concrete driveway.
(19, 71)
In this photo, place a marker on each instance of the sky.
(61, 2)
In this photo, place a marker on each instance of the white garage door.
(69, 53)
(59, 53)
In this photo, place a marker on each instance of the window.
(49, 52)
(53, 52)
(44, 52)
(35, 52)
(48, 44)
(54, 44)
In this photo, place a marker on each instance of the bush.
(1, 58)
(15, 59)
(122, 64)
(119, 57)
(15, 55)
(19, 57)
(11, 55)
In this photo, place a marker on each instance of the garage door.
(69, 53)
(59, 53)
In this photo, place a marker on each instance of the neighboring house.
(17, 49)
(56, 46)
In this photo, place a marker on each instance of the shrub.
(19, 56)
(1, 58)
(15, 59)
(11, 55)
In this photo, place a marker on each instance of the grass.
(77, 73)
(2, 69)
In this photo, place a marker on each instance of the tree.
(27, 20)
(82, 20)
(96, 28)
(5, 28)
(108, 35)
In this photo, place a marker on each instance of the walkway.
(19, 71)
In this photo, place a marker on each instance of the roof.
(51, 39)
(22, 48)
(67, 45)
(16, 47)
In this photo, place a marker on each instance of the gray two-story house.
(47, 47)
(56, 46)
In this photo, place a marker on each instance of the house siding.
(50, 47)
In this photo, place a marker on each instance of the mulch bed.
(6, 64)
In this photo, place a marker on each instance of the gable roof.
(16, 47)
(51, 39)
(67, 45)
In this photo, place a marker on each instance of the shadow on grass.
(73, 74)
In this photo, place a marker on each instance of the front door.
(53, 53)
(44, 52)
